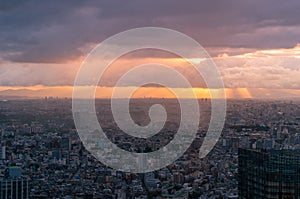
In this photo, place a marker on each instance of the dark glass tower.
(269, 174)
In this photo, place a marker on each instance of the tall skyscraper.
(269, 174)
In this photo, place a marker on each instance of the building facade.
(269, 174)
(13, 185)
(14, 188)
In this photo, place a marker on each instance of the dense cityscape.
(43, 157)
(144, 99)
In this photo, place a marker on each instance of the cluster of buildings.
(43, 157)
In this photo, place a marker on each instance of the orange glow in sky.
(149, 92)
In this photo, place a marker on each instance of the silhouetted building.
(269, 173)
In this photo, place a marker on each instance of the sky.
(254, 43)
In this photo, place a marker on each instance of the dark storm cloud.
(57, 31)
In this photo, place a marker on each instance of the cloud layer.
(57, 31)
(276, 68)
(42, 43)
